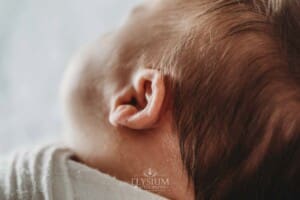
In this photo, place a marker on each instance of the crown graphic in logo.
(150, 173)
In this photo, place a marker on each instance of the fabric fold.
(48, 173)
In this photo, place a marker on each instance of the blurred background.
(37, 39)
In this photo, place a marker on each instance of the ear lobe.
(139, 106)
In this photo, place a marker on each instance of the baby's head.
(204, 92)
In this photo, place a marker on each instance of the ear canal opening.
(133, 101)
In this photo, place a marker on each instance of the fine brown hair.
(233, 71)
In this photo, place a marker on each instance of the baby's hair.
(233, 71)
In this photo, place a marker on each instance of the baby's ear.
(139, 105)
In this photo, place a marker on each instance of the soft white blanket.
(49, 173)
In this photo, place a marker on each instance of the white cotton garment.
(49, 173)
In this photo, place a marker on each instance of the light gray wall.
(37, 38)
